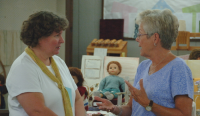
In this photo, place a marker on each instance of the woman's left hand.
(106, 105)
(139, 96)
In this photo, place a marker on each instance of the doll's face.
(75, 79)
(113, 69)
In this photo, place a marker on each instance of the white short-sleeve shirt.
(26, 76)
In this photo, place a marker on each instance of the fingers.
(99, 104)
(141, 84)
(130, 87)
(104, 108)
(132, 90)
(128, 84)
(99, 99)
(135, 97)
(104, 101)
(105, 105)
(107, 108)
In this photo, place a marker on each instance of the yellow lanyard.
(58, 80)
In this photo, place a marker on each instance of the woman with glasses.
(163, 84)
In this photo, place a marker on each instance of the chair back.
(183, 38)
(194, 109)
(4, 112)
(2, 69)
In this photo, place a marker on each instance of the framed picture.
(186, 11)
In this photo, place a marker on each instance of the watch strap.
(151, 103)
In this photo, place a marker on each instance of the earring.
(154, 44)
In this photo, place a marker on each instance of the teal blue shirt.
(112, 81)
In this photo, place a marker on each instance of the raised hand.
(139, 96)
(106, 105)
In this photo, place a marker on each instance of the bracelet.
(120, 113)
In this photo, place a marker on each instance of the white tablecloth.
(89, 113)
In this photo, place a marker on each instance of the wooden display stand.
(112, 46)
(190, 48)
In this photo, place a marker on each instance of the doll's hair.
(77, 72)
(117, 63)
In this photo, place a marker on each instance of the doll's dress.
(82, 91)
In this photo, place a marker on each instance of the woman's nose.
(61, 39)
(137, 39)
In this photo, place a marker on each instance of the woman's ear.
(156, 38)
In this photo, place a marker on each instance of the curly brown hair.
(195, 54)
(41, 24)
(117, 63)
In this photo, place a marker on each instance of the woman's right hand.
(106, 105)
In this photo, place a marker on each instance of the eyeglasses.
(138, 35)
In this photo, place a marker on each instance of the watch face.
(148, 108)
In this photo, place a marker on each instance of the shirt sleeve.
(23, 78)
(181, 80)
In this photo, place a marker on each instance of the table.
(89, 113)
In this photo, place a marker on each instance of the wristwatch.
(149, 107)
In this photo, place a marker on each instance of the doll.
(78, 79)
(3, 90)
(111, 84)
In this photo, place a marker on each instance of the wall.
(86, 17)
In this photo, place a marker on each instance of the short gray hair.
(162, 22)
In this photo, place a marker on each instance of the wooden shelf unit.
(121, 49)
(190, 47)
